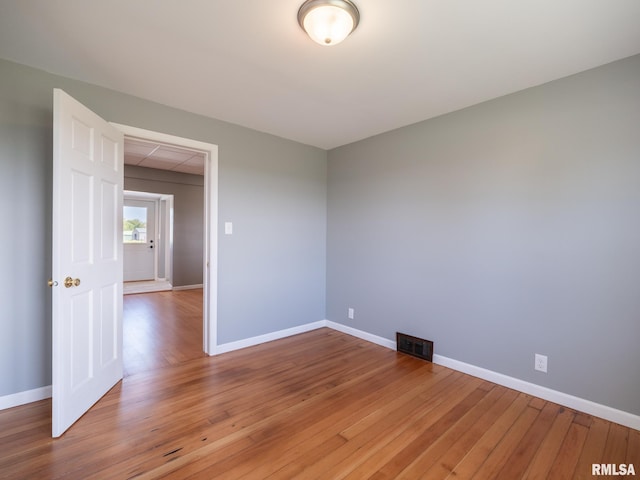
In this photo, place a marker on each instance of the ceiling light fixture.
(328, 22)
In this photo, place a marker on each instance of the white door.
(87, 259)
(140, 245)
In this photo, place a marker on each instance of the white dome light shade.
(328, 25)
(328, 22)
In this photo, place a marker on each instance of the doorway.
(209, 155)
(147, 238)
(87, 208)
(140, 240)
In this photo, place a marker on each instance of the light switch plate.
(228, 228)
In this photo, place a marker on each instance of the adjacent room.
(164, 200)
(403, 244)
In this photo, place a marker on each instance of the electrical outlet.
(541, 363)
(350, 314)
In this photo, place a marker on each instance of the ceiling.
(164, 157)
(248, 62)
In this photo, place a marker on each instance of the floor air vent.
(415, 346)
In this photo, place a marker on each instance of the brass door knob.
(71, 282)
(52, 283)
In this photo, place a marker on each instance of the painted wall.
(499, 231)
(271, 270)
(188, 221)
(503, 230)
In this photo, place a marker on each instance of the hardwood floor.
(321, 404)
(161, 329)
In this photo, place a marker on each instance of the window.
(134, 225)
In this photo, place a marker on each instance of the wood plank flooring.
(161, 329)
(321, 404)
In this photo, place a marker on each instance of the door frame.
(210, 264)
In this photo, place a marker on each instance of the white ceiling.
(165, 157)
(249, 63)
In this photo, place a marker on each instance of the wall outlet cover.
(540, 363)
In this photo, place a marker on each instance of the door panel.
(87, 228)
(82, 336)
(108, 317)
(110, 242)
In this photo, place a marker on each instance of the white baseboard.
(360, 334)
(576, 403)
(188, 287)
(268, 337)
(130, 288)
(608, 413)
(586, 406)
(22, 398)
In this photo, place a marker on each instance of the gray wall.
(502, 230)
(188, 216)
(271, 271)
(499, 231)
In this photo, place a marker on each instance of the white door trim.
(210, 267)
(167, 236)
